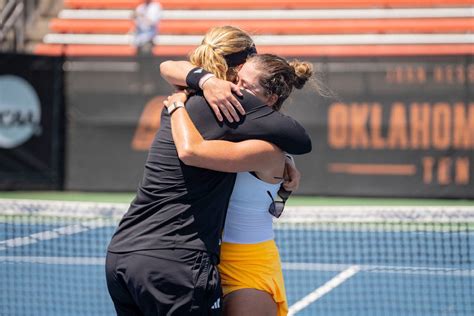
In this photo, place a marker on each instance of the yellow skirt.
(255, 266)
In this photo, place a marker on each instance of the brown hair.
(218, 42)
(278, 76)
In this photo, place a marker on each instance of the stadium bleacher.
(292, 28)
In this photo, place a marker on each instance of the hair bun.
(303, 72)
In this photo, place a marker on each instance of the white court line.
(313, 266)
(415, 270)
(52, 234)
(323, 290)
(293, 266)
(62, 209)
(85, 261)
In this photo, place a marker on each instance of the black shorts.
(164, 282)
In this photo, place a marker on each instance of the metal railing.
(15, 16)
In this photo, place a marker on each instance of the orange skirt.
(255, 266)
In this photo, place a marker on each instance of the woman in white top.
(250, 266)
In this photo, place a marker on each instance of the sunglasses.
(277, 206)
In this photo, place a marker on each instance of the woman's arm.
(249, 155)
(217, 92)
(175, 72)
(291, 175)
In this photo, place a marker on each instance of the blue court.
(56, 268)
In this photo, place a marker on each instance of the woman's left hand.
(291, 175)
(178, 96)
(218, 94)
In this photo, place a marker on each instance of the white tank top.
(248, 220)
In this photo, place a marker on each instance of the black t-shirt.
(180, 206)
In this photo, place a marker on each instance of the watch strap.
(174, 106)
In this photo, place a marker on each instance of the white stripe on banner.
(323, 290)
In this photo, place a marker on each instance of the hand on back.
(218, 94)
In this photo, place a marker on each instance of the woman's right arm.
(175, 72)
(219, 155)
(217, 92)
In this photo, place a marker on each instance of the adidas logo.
(198, 71)
(217, 304)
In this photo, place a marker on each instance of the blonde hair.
(218, 42)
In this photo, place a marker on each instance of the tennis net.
(336, 260)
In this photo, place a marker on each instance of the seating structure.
(291, 28)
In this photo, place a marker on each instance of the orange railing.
(447, 25)
(196, 27)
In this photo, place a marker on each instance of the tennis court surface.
(338, 260)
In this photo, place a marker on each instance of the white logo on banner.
(20, 111)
